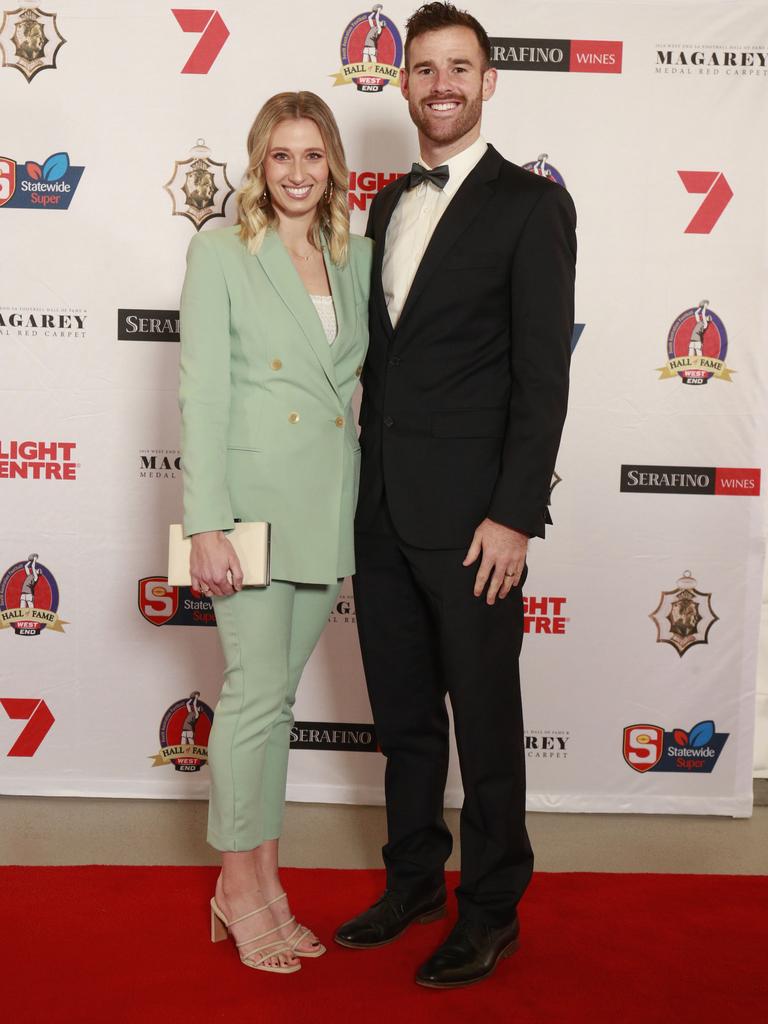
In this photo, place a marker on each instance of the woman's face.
(296, 167)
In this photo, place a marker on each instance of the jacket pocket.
(469, 423)
(243, 448)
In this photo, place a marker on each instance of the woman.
(274, 332)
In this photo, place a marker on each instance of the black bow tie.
(438, 175)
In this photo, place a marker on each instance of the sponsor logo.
(184, 731)
(38, 460)
(333, 736)
(209, 25)
(697, 345)
(371, 52)
(684, 616)
(164, 605)
(690, 480)
(199, 187)
(712, 60)
(159, 463)
(344, 609)
(546, 744)
(30, 40)
(148, 325)
(36, 713)
(649, 748)
(717, 194)
(599, 56)
(540, 167)
(33, 186)
(544, 615)
(42, 322)
(29, 599)
(578, 330)
(364, 185)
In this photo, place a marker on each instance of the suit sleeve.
(541, 325)
(204, 391)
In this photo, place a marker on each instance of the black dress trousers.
(423, 634)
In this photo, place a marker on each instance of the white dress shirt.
(413, 222)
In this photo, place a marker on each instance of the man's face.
(445, 83)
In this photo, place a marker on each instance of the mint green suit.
(268, 434)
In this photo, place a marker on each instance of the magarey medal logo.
(199, 187)
(30, 40)
(684, 616)
(29, 599)
(184, 733)
(544, 169)
(697, 344)
(371, 52)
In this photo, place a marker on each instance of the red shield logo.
(7, 179)
(643, 746)
(158, 602)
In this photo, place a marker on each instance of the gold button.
(339, 421)
(358, 371)
(294, 417)
(276, 364)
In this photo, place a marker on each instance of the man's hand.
(212, 562)
(503, 557)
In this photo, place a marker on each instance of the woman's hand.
(210, 562)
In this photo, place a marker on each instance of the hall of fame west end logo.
(697, 345)
(371, 52)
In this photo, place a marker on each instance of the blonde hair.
(256, 213)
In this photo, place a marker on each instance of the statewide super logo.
(697, 344)
(371, 52)
(184, 733)
(29, 599)
(33, 186)
(544, 170)
(684, 616)
(648, 748)
(29, 40)
(199, 187)
(164, 605)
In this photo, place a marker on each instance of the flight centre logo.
(371, 52)
(697, 345)
(544, 615)
(597, 56)
(38, 460)
(649, 748)
(684, 616)
(540, 167)
(29, 40)
(165, 605)
(184, 731)
(33, 186)
(364, 185)
(29, 598)
(199, 187)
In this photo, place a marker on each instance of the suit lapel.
(276, 263)
(474, 193)
(387, 205)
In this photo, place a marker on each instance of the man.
(464, 397)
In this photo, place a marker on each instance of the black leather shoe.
(469, 954)
(389, 917)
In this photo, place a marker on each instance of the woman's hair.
(254, 204)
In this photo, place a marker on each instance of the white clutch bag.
(251, 544)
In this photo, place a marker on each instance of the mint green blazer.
(267, 426)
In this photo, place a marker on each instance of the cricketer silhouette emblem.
(30, 40)
(199, 187)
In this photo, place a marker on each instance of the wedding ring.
(510, 574)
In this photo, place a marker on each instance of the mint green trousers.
(267, 637)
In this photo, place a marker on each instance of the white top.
(325, 310)
(414, 220)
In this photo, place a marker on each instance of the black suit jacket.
(464, 401)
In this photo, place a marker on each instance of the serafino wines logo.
(540, 167)
(649, 748)
(30, 40)
(697, 345)
(704, 480)
(199, 187)
(598, 56)
(371, 52)
(209, 25)
(364, 185)
(684, 616)
(718, 193)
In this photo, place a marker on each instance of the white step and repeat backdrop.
(123, 133)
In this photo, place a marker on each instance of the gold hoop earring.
(263, 199)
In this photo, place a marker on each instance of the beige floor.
(41, 830)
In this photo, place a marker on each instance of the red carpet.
(130, 945)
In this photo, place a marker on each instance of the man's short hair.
(434, 16)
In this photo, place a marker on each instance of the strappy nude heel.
(257, 957)
(298, 934)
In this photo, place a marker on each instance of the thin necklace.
(296, 256)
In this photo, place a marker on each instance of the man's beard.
(446, 132)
